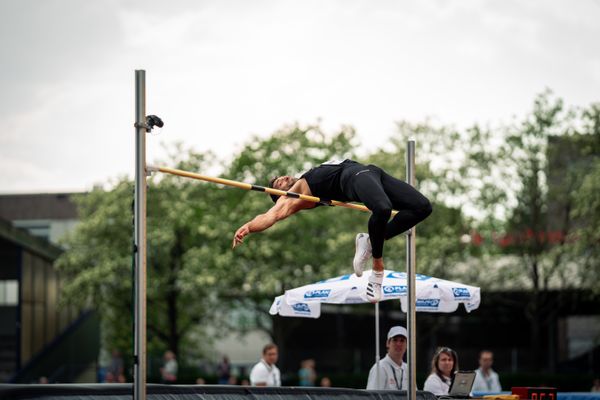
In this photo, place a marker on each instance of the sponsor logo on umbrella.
(428, 303)
(461, 293)
(301, 308)
(317, 294)
(394, 290)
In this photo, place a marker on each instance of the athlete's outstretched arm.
(281, 210)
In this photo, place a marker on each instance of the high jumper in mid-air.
(348, 180)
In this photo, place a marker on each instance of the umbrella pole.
(377, 344)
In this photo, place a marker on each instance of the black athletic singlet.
(325, 181)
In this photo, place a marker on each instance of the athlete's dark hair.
(274, 197)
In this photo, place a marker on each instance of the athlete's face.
(284, 182)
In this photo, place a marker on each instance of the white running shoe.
(374, 293)
(363, 253)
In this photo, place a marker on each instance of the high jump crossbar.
(248, 186)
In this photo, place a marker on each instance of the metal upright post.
(411, 282)
(139, 367)
(377, 356)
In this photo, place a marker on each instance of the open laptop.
(462, 384)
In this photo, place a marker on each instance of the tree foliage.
(99, 259)
(536, 171)
(536, 168)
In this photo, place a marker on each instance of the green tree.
(585, 200)
(533, 177)
(98, 262)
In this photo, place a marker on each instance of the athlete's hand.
(238, 238)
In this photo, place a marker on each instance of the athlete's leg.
(366, 186)
(411, 205)
(381, 193)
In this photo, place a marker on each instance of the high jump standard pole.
(139, 352)
(411, 316)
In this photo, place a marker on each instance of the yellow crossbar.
(247, 186)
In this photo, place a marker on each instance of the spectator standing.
(265, 372)
(596, 385)
(168, 372)
(224, 371)
(115, 372)
(486, 379)
(443, 367)
(393, 374)
(307, 375)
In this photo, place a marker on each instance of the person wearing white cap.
(393, 374)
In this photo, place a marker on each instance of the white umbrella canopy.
(305, 310)
(432, 294)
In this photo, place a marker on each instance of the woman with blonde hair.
(443, 367)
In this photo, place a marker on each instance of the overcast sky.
(219, 71)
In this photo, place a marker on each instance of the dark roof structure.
(38, 206)
(28, 242)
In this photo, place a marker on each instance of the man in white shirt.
(265, 372)
(486, 379)
(393, 374)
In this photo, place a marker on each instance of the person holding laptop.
(392, 374)
(443, 367)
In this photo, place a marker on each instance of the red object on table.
(535, 393)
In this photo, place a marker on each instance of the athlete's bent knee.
(382, 212)
(425, 209)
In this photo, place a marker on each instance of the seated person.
(486, 379)
(443, 367)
